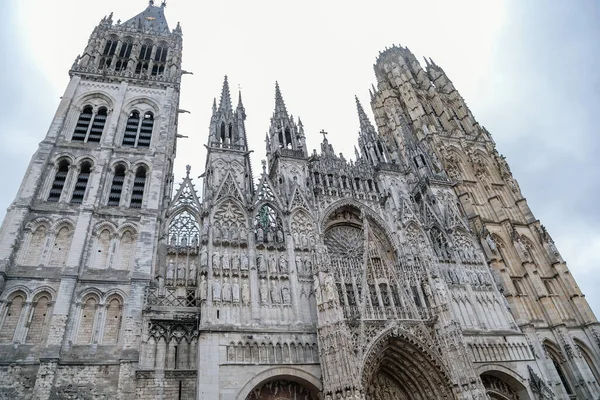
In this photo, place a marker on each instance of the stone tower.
(78, 243)
(414, 271)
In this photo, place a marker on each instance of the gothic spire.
(225, 102)
(366, 127)
(280, 110)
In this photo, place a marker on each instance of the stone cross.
(324, 134)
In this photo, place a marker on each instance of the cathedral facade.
(415, 271)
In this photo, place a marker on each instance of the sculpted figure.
(275, 294)
(216, 291)
(192, 277)
(285, 292)
(280, 236)
(181, 272)
(317, 289)
(272, 264)
(226, 262)
(203, 288)
(329, 288)
(260, 235)
(270, 236)
(216, 262)
(226, 290)
(283, 265)
(216, 233)
(260, 264)
(307, 265)
(264, 292)
(235, 262)
(203, 258)
(299, 267)
(235, 289)
(245, 293)
(244, 266)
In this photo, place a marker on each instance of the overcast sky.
(529, 71)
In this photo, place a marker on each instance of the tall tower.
(78, 243)
(421, 109)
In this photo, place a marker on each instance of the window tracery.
(184, 231)
(268, 227)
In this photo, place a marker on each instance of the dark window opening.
(146, 130)
(222, 132)
(114, 198)
(139, 183)
(131, 129)
(83, 123)
(161, 54)
(562, 377)
(81, 184)
(288, 138)
(110, 48)
(98, 125)
(145, 52)
(126, 49)
(59, 181)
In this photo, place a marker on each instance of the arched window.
(126, 247)
(139, 183)
(160, 57)
(34, 251)
(101, 250)
(112, 320)
(138, 132)
(184, 230)
(288, 138)
(98, 125)
(230, 136)
(281, 142)
(589, 359)
(81, 184)
(83, 124)
(124, 55)
(59, 181)
(557, 360)
(87, 320)
(222, 132)
(440, 244)
(14, 308)
(40, 316)
(268, 227)
(110, 47)
(145, 52)
(90, 132)
(60, 249)
(114, 198)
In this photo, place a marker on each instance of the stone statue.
(280, 236)
(203, 258)
(216, 233)
(272, 264)
(244, 262)
(264, 292)
(260, 235)
(235, 291)
(275, 294)
(317, 289)
(181, 272)
(285, 292)
(329, 288)
(260, 264)
(299, 268)
(192, 276)
(216, 291)
(226, 290)
(270, 236)
(216, 262)
(235, 262)
(307, 265)
(226, 261)
(245, 293)
(283, 265)
(203, 288)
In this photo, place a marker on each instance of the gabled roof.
(152, 18)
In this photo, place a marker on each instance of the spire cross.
(324, 133)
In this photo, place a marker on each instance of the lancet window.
(124, 54)
(116, 188)
(12, 311)
(138, 131)
(160, 58)
(139, 184)
(144, 56)
(268, 227)
(39, 318)
(184, 231)
(90, 125)
(109, 51)
(58, 184)
(81, 184)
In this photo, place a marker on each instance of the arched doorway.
(397, 368)
(282, 383)
(502, 386)
(281, 389)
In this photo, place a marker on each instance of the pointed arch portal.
(397, 368)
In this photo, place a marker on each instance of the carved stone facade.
(415, 271)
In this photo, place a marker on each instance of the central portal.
(281, 390)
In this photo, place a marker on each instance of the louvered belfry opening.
(116, 188)
(83, 124)
(139, 183)
(160, 58)
(146, 130)
(59, 181)
(131, 129)
(81, 184)
(98, 125)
